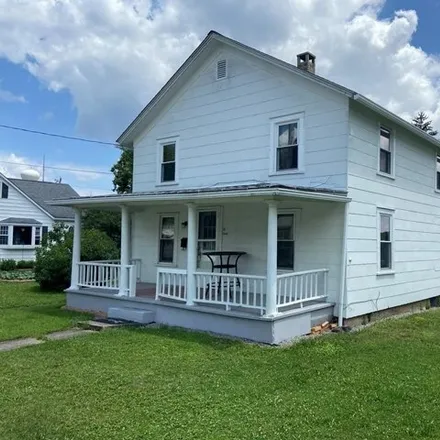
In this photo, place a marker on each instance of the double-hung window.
(287, 148)
(167, 238)
(385, 245)
(437, 173)
(386, 152)
(167, 170)
(207, 235)
(4, 235)
(5, 191)
(286, 241)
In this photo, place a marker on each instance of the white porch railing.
(106, 276)
(171, 283)
(301, 287)
(231, 290)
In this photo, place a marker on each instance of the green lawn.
(133, 384)
(26, 312)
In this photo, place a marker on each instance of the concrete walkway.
(55, 336)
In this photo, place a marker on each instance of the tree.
(123, 172)
(105, 221)
(54, 257)
(421, 121)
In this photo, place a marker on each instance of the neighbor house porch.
(289, 244)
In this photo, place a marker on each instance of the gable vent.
(222, 71)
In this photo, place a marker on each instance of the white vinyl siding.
(225, 134)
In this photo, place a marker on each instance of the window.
(5, 191)
(222, 69)
(22, 235)
(286, 241)
(287, 149)
(45, 230)
(207, 235)
(437, 173)
(167, 162)
(37, 236)
(385, 152)
(167, 238)
(385, 240)
(4, 235)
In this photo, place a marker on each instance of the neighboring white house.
(25, 215)
(331, 202)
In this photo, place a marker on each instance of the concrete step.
(132, 315)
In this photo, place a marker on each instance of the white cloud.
(113, 55)
(7, 96)
(89, 181)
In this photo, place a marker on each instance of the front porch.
(291, 242)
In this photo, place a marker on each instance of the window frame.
(4, 185)
(218, 229)
(392, 132)
(163, 215)
(437, 171)
(7, 235)
(296, 221)
(390, 213)
(32, 245)
(160, 144)
(274, 133)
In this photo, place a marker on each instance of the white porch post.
(271, 272)
(76, 251)
(125, 250)
(191, 264)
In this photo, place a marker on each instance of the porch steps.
(133, 315)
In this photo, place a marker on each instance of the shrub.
(8, 265)
(25, 264)
(54, 257)
(17, 275)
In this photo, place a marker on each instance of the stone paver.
(18, 343)
(67, 334)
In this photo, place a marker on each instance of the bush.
(25, 264)
(54, 257)
(8, 264)
(17, 275)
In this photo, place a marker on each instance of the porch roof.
(254, 190)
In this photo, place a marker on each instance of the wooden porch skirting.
(269, 330)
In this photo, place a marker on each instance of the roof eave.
(396, 119)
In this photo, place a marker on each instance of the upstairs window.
(385, 152)
(5, 191)
(4, 235)
(287, 148)
(167, 162)
(437, 173)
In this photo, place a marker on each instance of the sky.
(86, 68)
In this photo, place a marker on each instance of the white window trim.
(219, 229)
(160, 144)
(162, 215)
(436, 154)
(275, 122)
(296, 221)
(393, 152)
(389, 212)
(11, 244)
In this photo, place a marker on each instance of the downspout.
(341, 299)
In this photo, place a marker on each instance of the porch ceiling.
(251, 192)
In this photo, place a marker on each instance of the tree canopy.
(123, 173)
(422, 121)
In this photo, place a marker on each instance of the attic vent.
(222, 71)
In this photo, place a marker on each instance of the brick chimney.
(306, 61)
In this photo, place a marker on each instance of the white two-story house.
(266, 199)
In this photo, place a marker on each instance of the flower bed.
(17, 275)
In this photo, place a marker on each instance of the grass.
(27, 312)
(133, 384)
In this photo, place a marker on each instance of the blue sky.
(86, 68)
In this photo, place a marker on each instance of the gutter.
(396, 119)
(341, 299)
(270, 193)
